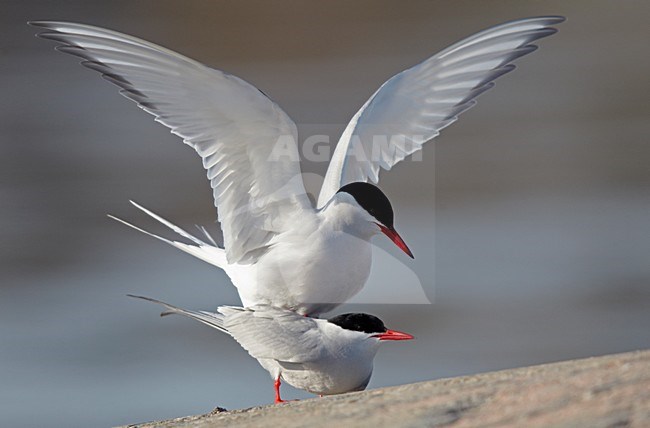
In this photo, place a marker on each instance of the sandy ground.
(610, 391)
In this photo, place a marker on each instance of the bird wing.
(247, 143)
(269, 332)
(413, 106)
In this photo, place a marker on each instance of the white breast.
(311, 269)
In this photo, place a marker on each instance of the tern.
(324, 357)
(279, 248)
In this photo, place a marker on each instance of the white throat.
(343, 213)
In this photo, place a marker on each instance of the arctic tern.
(324, 357)
(278, 248)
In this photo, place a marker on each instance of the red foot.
(277, 392)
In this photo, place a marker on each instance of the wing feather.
(413, 106)
(228, 122)
(268, 332)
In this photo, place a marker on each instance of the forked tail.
(208, 252)
(211, 319)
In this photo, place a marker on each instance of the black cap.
(372, 200)
(359, 322)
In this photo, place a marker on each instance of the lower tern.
(279, 248)
(324, 357)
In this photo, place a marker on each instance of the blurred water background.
(528, 217)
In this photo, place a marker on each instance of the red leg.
(277, 391)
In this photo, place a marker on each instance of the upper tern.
(278, 248)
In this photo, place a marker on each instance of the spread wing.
(268, 332)
(247, 143)
(413, 106)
